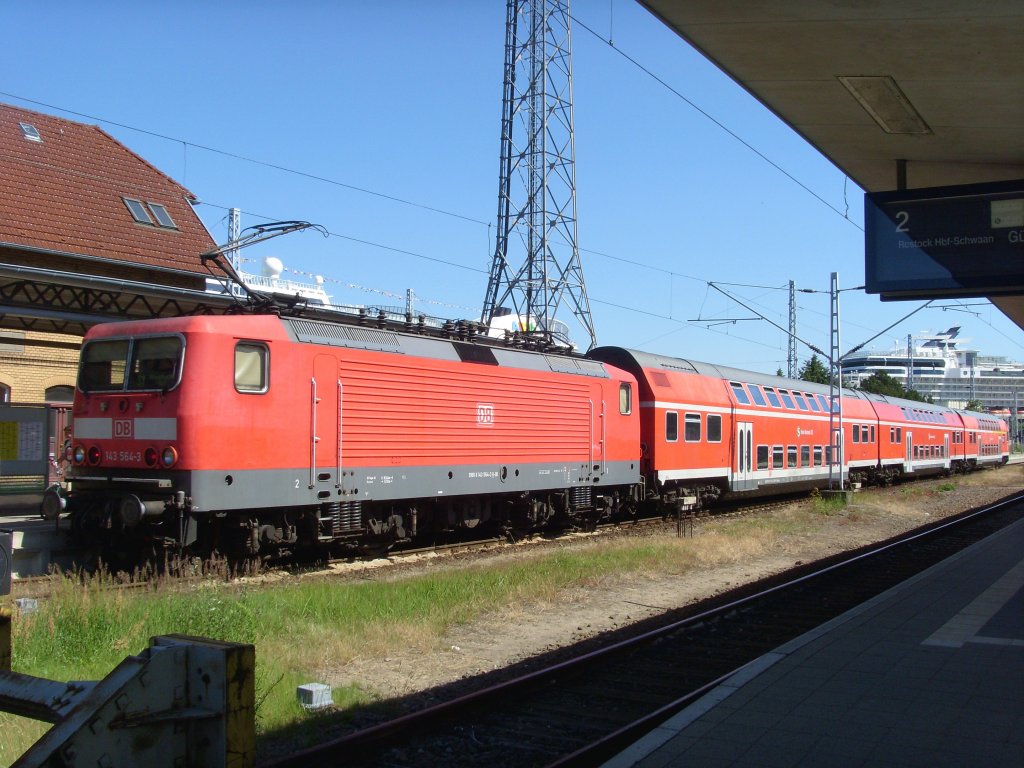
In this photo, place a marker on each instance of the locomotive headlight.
(151, 456)
(169, 457)
(94, 456)
(78, 455)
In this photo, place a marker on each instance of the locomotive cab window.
(251, 367)
(118, 365)
(103, 366)
(155, 363)
(625, 399)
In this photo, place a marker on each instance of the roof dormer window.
(163, 218)
(145, 212)
(30, 132)
(138, 210)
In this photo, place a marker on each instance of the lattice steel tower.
(536, 267)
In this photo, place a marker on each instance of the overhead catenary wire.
(441, 211)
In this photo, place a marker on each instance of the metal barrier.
(181, 701)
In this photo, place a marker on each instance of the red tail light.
(151, 456)
(94, 456)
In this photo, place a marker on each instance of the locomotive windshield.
(122, 365)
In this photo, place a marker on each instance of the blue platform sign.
(945, 241)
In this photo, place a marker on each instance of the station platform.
(930, 673)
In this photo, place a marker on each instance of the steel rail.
(353, 743)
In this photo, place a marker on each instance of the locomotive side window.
(671, 426)
(714, 428)
(691, 428)
(625, 399)
(251, 364)
(103, 366)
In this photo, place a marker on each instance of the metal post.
(791, 349)
(910, 362)
(835, 414)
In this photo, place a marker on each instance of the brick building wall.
(28, 370)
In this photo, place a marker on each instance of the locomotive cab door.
(325, 427)
(743, 462)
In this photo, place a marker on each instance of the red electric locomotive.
(253, 434)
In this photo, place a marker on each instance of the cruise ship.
(941, 369)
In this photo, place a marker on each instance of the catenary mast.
(536, 267)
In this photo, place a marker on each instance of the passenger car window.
(740, 393)
(691, 428)
(671, 426)
(762, 457)
(757, 394)
(714, 428)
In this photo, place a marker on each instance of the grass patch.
(946, 487)
(304, 628)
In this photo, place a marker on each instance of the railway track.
(583, 709)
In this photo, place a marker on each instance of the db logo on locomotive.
(123, 428)
(485, 414)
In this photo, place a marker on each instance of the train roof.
(470, 350)
(634, 360)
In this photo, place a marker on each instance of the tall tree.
(815, 370)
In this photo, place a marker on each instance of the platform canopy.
(939, 85)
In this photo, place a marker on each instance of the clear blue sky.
(402, 99)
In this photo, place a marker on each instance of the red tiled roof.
(65, 194)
